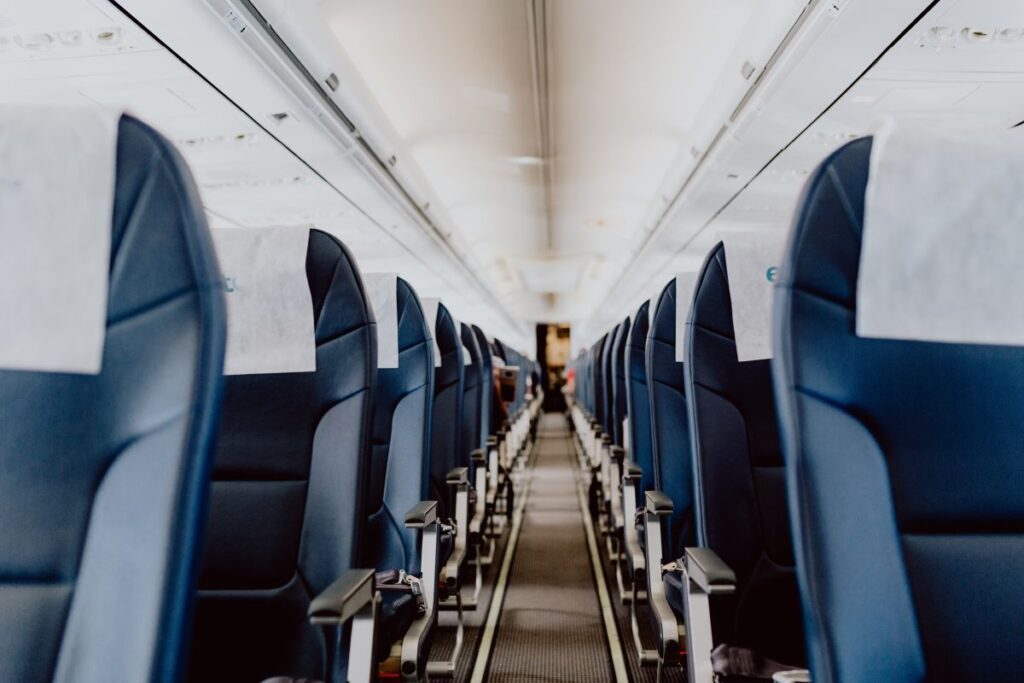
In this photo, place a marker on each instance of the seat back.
(400, 466)
(286, 504)
(598, 384)
(904, 468)
(670, 434)
(487, 426)
(637, 398)
(446, 418)
(472, 396)
(608, 382)
(104, 478)
(618, 374)
(741, 510)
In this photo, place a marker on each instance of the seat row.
(160, 519)
(843, 506)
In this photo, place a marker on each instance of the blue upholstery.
(607, 382)
(401, 442)
(104, 478)
(472, 396)
(286, 505)
(618, 374)
(741, 510)
(904, 469)
(597, 387)
(638, 400)
(487, 427)
(446, 427)
(670, 435)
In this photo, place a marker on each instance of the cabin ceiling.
(561, 159)
(547, 130)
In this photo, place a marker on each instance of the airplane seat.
(904, 468)
(472, 396)
(487, 426)
(608, 383)
(638, 406)
(400, 467)
(668, 525)
(618, 373)
(446, 427)
(670, 434)
(741, 511)
(286, 502)
(104, 478)
(598, 386)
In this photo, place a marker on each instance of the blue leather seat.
(286, 510)
(487, 425)
(638, 400)
(473, 436)
(608, 383)
(446, 427)
(904, 469)
(104, 478)
(671, 450)
(400, 466)
(598, 379)
(741, 510)
(670, 433)
(618, 375)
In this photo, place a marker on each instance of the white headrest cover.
(685, 282)
(430, 306)
(752, 258)
(943, 238)
(57, 173)
(270, 310)
(382, 290)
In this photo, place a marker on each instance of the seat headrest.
(942, 237)
(56, 206)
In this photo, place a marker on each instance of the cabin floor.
(551, 622)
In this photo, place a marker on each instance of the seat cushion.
(397, 612)
(675, 593)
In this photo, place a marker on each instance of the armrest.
(340, 601)
(606, 439)
(657, 503)
(710, 572)
(423, 514)
(618, 453)
(478, 456)
(492, 441)
(458, 475)
(632, 472)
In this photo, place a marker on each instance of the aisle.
(551, 625)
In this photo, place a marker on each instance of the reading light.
(1011, 35)
(977, 35)
(70, 38)
(108, 36)
(37, 42)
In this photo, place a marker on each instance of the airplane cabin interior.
(511, 340)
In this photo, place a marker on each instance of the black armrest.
(478, 456)
(618, 453)
(606, 439)
(424, 513)
(632, 471)
(705, 568)
(458, 475)
(340, 601)
(658, 503)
